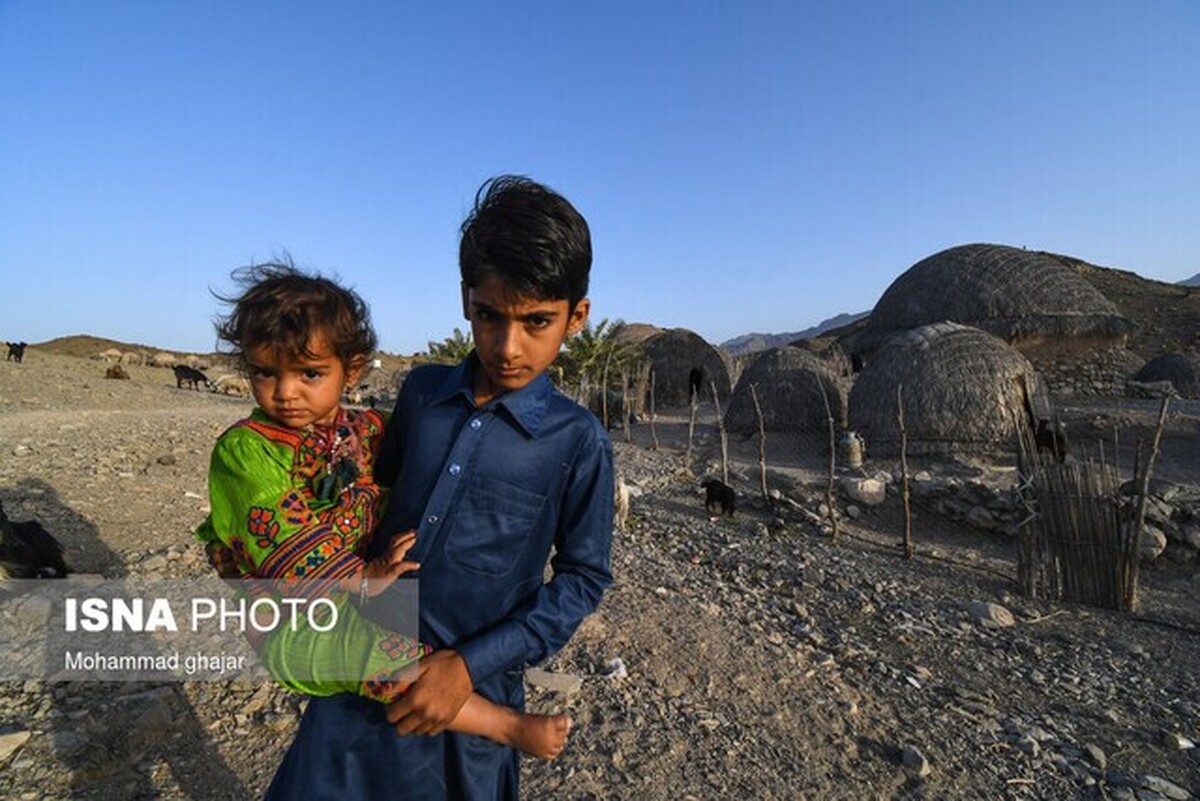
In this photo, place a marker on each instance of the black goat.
(1051, 437)
(16, 351)
(189, 375)
(28, 551)
(719, 498)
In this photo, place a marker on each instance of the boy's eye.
(260, 372)
(484, 314)
(537, 321)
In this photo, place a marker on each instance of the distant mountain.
(1193, 281)
(752, 343)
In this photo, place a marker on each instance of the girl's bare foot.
(542, 736)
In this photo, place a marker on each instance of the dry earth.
(759, 658)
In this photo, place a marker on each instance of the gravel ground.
(749, 657)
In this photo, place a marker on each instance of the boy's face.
(516, 338)
(297, 390)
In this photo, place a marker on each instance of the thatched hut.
(680, 359)
(963, 389)
(789, 383)
(1027, 298)
(1181, 369)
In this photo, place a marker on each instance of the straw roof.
(1015, 294)
(788, 382)
(1181, 369)
(673, 354)
(963, 390)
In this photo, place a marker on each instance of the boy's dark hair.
(529, 236)
(283, 308)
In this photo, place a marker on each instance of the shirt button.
(455, 469)
(476, 424)
(431, 519)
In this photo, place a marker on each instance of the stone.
(1177, 741)
(980, 517)
(11, 742)
(990, 615)
(867, 491)
(1164, 788)
(562, 683)
(914, 761)
(1096, 756)
(1152, 544)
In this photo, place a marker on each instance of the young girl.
(293, 498)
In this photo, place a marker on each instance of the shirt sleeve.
(268, 523)
(581, 573)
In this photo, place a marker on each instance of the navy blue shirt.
(491, 491)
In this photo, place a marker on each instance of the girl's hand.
(391, 564)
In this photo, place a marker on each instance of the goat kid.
(719, 499)
(28, 551)
(16, 351)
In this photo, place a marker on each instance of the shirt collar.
(527, 406)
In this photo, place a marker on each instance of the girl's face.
(297, 390)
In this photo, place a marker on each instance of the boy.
(492, 466)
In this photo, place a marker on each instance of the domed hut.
(963, 390)
(679, 360)
(1181, 369)
(788, 382)
(1030, 299)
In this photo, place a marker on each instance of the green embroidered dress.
(300, 505)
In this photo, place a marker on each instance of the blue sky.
(745, 166)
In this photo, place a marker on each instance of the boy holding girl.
(493, 468)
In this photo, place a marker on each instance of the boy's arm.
(582, 572)
(542, 626)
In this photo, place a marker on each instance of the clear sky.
(745, 166)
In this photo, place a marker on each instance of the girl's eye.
(312, 374)
(260, 372)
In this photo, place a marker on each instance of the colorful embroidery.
(295, 509)
(401, 648)
(261, 523)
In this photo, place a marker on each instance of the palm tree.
(451, 350)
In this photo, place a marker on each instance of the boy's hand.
(391, 564)
(433, 700)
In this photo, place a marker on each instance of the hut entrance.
(695, 383)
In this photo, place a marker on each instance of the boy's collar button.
(455, 469)
(476, 424)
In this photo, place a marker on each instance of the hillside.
(86, 346)
(752, 343)
(1193, 281)
(1167, 315)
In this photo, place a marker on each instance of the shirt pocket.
(493, 525)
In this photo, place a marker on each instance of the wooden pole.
(721, 432)
(653, 430)
(625, 411)
(1131, 593)
(604, 391)
(904, 491)
(762, 445)
(833, 521)
(692, 425)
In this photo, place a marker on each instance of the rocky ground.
(756, 657)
